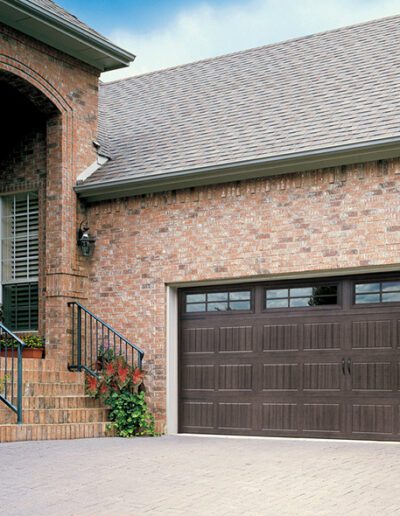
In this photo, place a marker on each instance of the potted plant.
(34, 347)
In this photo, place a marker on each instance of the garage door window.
(377, 292)
(218, 301)
(298, 297)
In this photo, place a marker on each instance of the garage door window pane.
(239, 296)
(220, 296)
(196, 307)
(300, 301)
(240, 305)
(367, 298)
(390, 297)
(277, 293)
(217, 307)
(196, 298)
(300, 292)
(367, 287)
(277, 303)
(390, 286)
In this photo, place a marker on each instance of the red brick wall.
(330, 219)
(40, 72)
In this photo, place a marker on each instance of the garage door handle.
(343, 366)
(349, 365)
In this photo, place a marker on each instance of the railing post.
(79, 338)
(19, 387)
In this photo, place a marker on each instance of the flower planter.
(26, 353)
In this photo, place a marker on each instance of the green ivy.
(130, 415)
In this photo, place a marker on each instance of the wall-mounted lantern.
(85, 240)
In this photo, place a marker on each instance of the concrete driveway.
(199, 475)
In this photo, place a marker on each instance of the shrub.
(118, 385)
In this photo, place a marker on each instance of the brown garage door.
(307, 359)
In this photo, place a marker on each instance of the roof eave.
(276, 165)
(37, 22)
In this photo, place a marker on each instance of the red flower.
(122, 372)
(137, 376)
(91, 385)
(109, 369)
(103, 389)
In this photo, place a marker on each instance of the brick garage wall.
(72, 87)
(324, 219)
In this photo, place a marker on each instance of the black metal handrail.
(94, 342)
(11, 348)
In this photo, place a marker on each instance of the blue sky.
(164, 33)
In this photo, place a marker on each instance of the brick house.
(246, 227)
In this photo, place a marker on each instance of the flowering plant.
(121, 388)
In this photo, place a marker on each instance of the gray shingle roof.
(59, 11)
(325, 90)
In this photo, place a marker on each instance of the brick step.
(52, 416)
(11, 433)
(49, 389)
(50, 377)
(60, 402)
(53, 389)
(30, 364)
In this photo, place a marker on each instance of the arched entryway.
(38, 209)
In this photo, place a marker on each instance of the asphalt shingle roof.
(59, 11)
(325, 90)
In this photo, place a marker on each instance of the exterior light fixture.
(85, 240)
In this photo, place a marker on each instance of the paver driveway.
(199, 475)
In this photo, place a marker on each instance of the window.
(218, 301)
(377, 292)
(20, 260)
(297, 297)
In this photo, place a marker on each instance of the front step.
(52, 416)
(55, 405)
(11, 433)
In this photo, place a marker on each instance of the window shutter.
(20, 253)
(20, 260)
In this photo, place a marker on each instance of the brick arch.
(15, 67)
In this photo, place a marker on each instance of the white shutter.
(20, 249)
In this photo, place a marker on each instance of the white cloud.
(208, 30)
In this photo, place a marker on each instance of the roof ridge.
(268, 45)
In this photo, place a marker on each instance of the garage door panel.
(281, 377)
(323, 336)
(371, 335)
(323, 417)
(235, 377)
(373, 419)
(198, 377)
(199, 340)
(372, 376)
(235, 416)
(280, 337)
(236, 339)
(198, 415)
(280, 417)
(322, 377)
